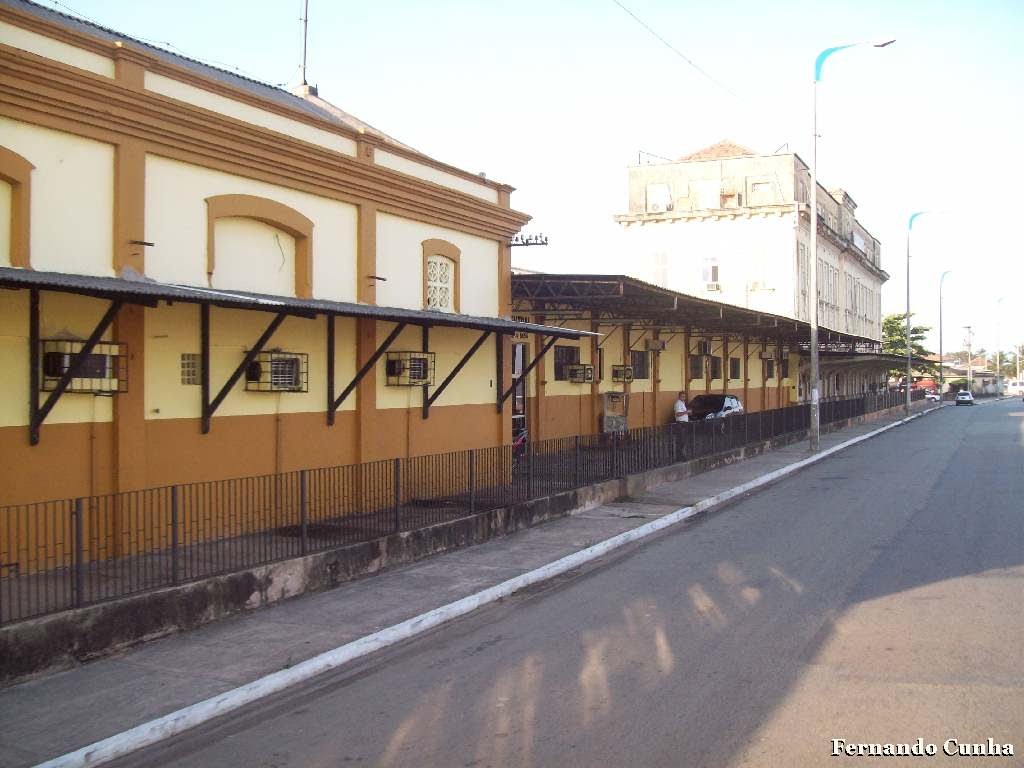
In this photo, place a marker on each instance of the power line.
(678, 53)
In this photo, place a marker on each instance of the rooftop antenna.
(305, 37)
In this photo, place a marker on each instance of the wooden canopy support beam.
(335, 403)
(455, 372)
(526, 371)
(37, 413)
(210, 407)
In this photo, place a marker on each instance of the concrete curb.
(174, 723)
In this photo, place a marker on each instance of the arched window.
(440, 283)
(440, 276)
(276, 216)
(16, 171)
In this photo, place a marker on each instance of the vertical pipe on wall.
(33, 365)
(330, 369)
(204, 364)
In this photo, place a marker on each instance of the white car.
(964, 398)
(932, 396)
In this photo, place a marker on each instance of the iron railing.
(57, 555)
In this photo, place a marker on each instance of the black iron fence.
(56, 555)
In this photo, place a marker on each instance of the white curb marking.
(172, 724)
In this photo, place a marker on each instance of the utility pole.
(970, 361)
(305, 38)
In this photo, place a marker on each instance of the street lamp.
(910, 227)
(942, 369)
(819, 63)
(999, 352)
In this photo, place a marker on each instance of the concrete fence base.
(61, 640)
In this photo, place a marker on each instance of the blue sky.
(557, 98)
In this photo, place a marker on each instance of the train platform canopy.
(149, 292)
(619, 299)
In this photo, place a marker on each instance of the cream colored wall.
(637, 341)
(757, 249)
(429, 173)
(60, 316)
(176, 224)
(400, 260)
(239, 110)
(47, 47)
(670, 364)
(611, 343)
(253, 256)
(72, 198)
(5, 224)
(172, 330)
(474, 383)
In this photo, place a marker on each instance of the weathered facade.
(732, 225)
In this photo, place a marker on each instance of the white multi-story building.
(731, 225)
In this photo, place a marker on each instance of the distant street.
(875, 597)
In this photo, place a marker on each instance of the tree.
(894, 341)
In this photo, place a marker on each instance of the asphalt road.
(875, 597)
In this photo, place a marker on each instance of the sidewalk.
(57, 714)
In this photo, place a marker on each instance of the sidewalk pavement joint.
(273, 620)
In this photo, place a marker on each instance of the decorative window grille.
(640, 362)
(440, 283)
(696, 366)
(564, 357)
(103, 371)
(409, 369)
(734, 368)
(716, 366)
(278, 372)
(191, 368)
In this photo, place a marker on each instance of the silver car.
(964, 398)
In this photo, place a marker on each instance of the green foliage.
(894, 341)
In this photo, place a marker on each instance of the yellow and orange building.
(204, 277)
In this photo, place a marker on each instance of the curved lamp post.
(910, 378)
(815, 424)
(999, 351)
(942, 369)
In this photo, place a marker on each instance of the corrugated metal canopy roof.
(144, 291)
(616, 298)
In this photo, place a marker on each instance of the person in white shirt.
(680, 411)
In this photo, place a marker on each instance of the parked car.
(714, 407)
(964, 398)
(932, 395)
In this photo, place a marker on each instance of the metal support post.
(472, 482)
(397, 480)
(304, 509)
(577, 479)
(175, 573)
(79, 565)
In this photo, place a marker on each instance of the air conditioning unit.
(278, 372)
(409, 369)
(103, 371)
(622, 373)
(769, 355)
(580, 374)
(655, 345)
(713, 287)
(704, 348)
